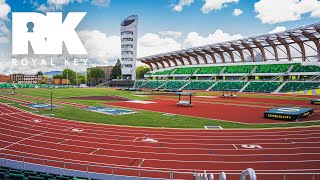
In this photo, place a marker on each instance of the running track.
(282, 150)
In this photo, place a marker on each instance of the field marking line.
(235, 147)
(135, 139)
(95, 151)
(21, 140)
(141, 162)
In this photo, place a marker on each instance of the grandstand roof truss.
(300, 44)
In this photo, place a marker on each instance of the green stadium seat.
(152, 84)
(220, 86)
(36, 178)
(3, 176)
(165, 72)
(199, 85)
(16, 176)
(265, 87)
(187, 70)
(210, 70)
(272, 68)
(299, 86)
(238, 69)
(174, 84)
(301, 68)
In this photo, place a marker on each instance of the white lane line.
(21, 141)
(95, 151)
(135, 139)
(141, 162)
(235, 146)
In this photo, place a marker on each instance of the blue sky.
(158, 15)
(164, 25)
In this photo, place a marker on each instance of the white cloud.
(178, 7)
(99, 46)
(3, 28)
(101, 3)
(4, 40)
(277, 11)
(4, 10)
(58, 3)
(194, 39)
(173, 34)
(44, 8)
(211, 5)
(278, 29)
(150, 44)
(237, 12)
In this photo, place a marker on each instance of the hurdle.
(233, 93)
(184, 102)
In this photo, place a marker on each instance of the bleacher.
(299, 86)
(272, 68)
(174, 84)
(264, 87)
(227, 85)
(152, 84)
(139, 83)
(198, 85)
(187, 70)
(6, 86)
(23, 86)
(165, 72)
(210, 70)
(7, 173)
(245, 69)
(301, 68)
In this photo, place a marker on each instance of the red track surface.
(283, 150)
(244, 110)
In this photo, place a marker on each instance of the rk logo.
(46, 33)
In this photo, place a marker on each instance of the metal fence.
(97, 171)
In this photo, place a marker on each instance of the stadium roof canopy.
(300, 44)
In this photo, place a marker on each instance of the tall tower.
(129, 34)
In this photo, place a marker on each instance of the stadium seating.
(199, 85)
(138, 84)
(165, 72)
(152, 84)
(238, 69)
(188, 70)
(299, 86)
(265, 87)
(227, 85)
(6, 86)
(174, 84)
(210, 70)
(16, 174)
(25, 85)
(148, 73)
(300, 68)
(272, 68)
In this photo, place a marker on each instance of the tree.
(116, 70)
(81, 78)
(96, 73)
(141, 71)
(70, 75)
(57, 76)
(39, 73)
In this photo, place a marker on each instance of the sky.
(164, 25)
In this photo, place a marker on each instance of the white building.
(129, 32)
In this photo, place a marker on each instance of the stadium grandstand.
(271, 63)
